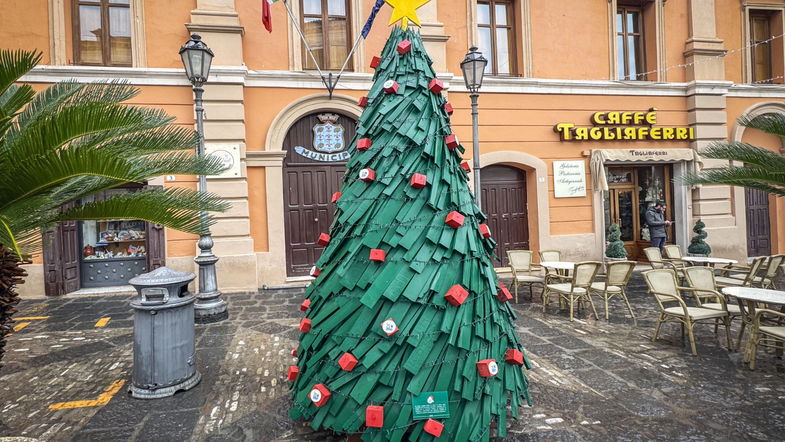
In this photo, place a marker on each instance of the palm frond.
(773, 124)
(744, 153)
(752, 177)
(14, 64)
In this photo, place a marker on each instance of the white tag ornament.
(315, 395)
(493, 368)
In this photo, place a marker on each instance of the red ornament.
(323, 240)
(378, 255)
(418, 181)
(466, 167)
(454, 219)
(305, 325)
(367, 175)
(294, 350)
(375, 62)
(389, 327)
(390, 86)
(336, 197)
(487, 368)
(319, 395)
(364, 144)
(452, 141)
(436, 86)
(485, 231)
(304, 306)
(456, 295)
(374, 416)
(362, 102)
(503, 294)
(434, 428)
(292, 372)
(315, 271)
(448, 108)
(404, 47)
(514, 357)
(347, 361)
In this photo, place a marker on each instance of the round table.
(752, 296)
(708, 260)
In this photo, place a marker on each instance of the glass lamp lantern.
(473, 67)
(197, 58)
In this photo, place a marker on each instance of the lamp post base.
(209, 306)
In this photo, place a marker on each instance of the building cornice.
(362, 81)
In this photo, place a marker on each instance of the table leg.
(747, 316)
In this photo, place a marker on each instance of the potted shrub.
(615, 250)
(698, 246)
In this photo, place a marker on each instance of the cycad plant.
(757, 169)
(72, 140)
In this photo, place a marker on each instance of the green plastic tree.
(698, 244)
(615, 244)
(405, 303)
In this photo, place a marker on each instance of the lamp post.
(473, 67)
(209, 306)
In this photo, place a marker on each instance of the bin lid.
(162, 276)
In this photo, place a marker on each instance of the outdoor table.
(708, 260)
(558, 265)
(753, 296)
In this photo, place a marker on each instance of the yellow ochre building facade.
(588, 113)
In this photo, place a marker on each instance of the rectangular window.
(760, 52)
(102, 32)
(496, 32)
(326, 28)
(629, 44)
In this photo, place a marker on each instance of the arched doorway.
(503, 195)
(313, 170)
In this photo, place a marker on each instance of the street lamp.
(473, 67)
(209, 307)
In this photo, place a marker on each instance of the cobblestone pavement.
(592, 380)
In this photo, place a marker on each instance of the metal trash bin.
(164, 346)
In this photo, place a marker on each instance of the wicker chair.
(766, 281)
(521, 265)
(555, 275)
(550, 255)
(746, 279)
(662, 284)
(766, 335)
(615, 284)
(656, 261)
(673, 251)
(702, 278)
(577, 289)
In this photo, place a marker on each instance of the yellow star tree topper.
(405, 10)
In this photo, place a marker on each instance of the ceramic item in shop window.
(88, 250)
(123, 235)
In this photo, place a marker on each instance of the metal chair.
(662, 284)
(521, 265)
(616, 280)
(656, 261)
(766, 281)
(577, 289)
(746, 279)
(702, 279)
(766, 335)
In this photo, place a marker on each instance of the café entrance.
(631, 191)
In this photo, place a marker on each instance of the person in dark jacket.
(655, 218)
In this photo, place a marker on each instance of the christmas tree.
(698, 244)
(407, 332)
(615, 247)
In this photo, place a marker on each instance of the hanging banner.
(624, 126)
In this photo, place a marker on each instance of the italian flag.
(267, 18)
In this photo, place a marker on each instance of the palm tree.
(761, 169)
(72, 140)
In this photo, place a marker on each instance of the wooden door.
(622, 207)
(313, 171)
(503, 193)
(758, 223)
(61, 259)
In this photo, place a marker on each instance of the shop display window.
(113, 239)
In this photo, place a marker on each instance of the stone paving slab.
(591, 380)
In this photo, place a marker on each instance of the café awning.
(599, 158)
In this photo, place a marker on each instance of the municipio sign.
(431, 405)
(328, 141)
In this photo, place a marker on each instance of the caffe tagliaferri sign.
(624, 126)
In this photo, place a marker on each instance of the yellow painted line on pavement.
(102, 399)
(32, 318)
(102, 322)
(20, 326)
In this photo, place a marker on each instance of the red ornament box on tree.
(503, 294)
(305, 325)
(404, 47)
(291, 373)
(418, 181)
(487, 368)
(364, 144)
(304, 306)
(434, 428)
(347, 362)
(319, 395)
(456, 295)
(378, 255)
(455, 219)
(323, 240)
(374, 416)
(514, 357)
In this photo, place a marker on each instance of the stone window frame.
(749, 9)
(296, 47)
(659, 63)
(58, 33)
(523, 35)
